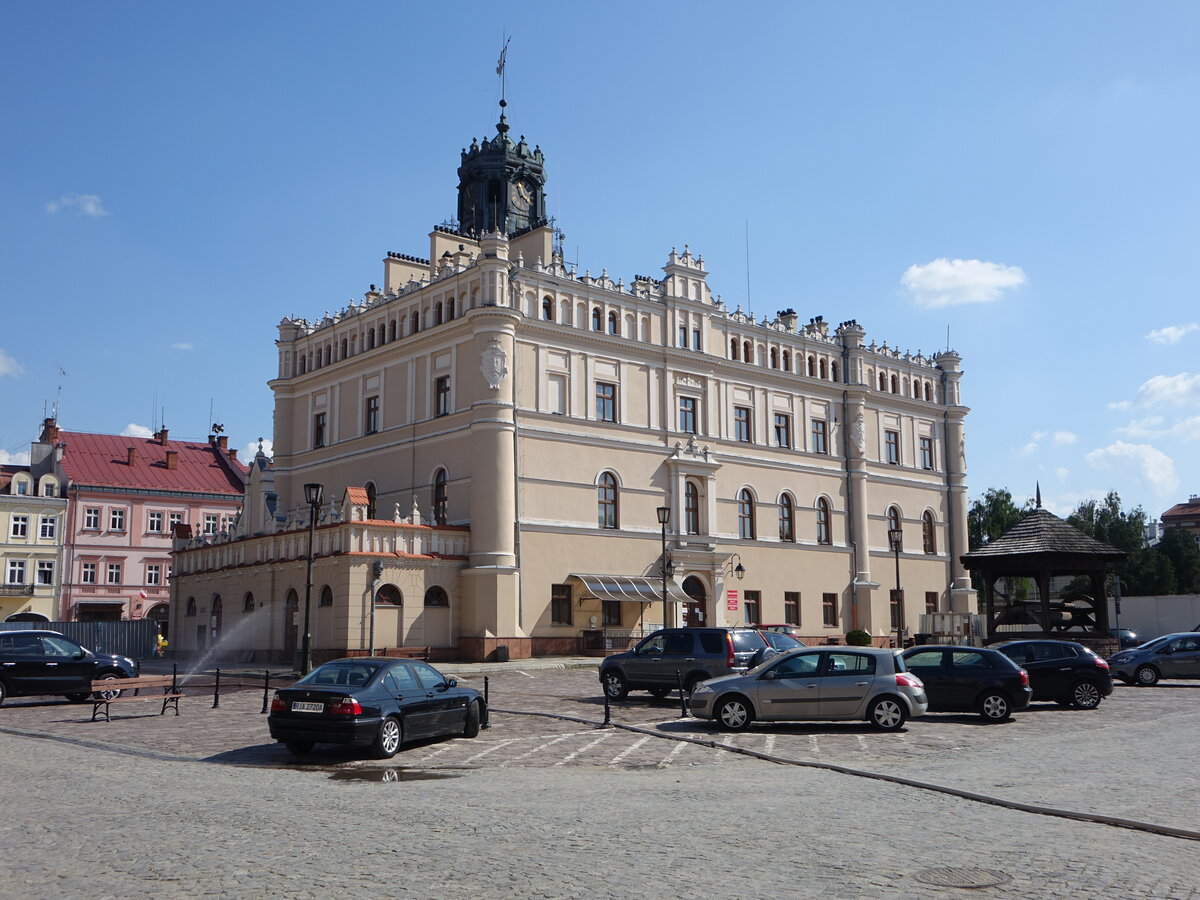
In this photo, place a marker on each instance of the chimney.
(132, 455)
(233, 455)
(161, 435)
(223, 442)
(49, 431)
(172, 459)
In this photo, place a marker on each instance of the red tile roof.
(1191, 508)
(357, 496)
(103, 459)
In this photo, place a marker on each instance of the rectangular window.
(116, 520)
(88, 575)
(560, 604)
(154, 574)
(891, 440)
(695, 338)
(829, 612)
(19, 526)
(926, 453)
(22, 488)
(897, 607)
(783, 430)
(210, 523)
(791, 607)
(441, 391)
(371, 416)
(318, 430)
(931, 601)
(154, 522)
(49, 490)
(16, 571)
(48, 527)
(557, 395)
(606, 402)
(114, 573)
(610, 610)
(91, 518)
(819, 442)
(45, 572)
(741, 424)
(753, 607)
(683, 336)
(175, 519)
(687, 415)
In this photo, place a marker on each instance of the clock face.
(521, 197)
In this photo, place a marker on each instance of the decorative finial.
(1039, 495)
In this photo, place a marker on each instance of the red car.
(791, 630)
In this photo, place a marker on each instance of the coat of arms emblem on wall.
(493, 364)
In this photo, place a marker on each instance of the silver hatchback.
(863, 683)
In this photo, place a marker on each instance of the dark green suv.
(687, 656)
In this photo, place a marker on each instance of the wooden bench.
(169, 694)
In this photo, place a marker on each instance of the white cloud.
(134, 430)
(87, 205)
(182, 345)
(9, 366)
(954, 282)
(1120, 404)
(1172, 334)
(251, 450)
(14, 459)
(1151, 467)
(1062, 473)
(1153, 427)
(1027, 450)
(1062, 438)
(1170, 390)
(1058, 438)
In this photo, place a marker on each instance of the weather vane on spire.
(500, 68)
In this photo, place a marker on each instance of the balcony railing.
(16, 590)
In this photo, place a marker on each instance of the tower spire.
(501, 63)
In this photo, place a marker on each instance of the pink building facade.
(126, 497)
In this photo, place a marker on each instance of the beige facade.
(32, 527)
(542, 415)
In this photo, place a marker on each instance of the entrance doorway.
(693, 610)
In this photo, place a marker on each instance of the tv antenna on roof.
(62, 373)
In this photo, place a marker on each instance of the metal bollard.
(607, 710)
(487, 722)
(683, 710)
(266, 687)
(217, 691)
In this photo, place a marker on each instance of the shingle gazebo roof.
(1042, 532)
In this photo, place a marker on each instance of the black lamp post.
(664, 516)
(313, 494)
(896, 539)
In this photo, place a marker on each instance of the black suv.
(696, 654)
(970, 679)
(44, 662)
(1062, 671)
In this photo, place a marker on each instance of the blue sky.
(177, 177)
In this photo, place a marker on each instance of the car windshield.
(338, 674)
(747, 640)
(1152, 643)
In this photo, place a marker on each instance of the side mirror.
(769, 675)
(451, 682)
(1167, 650)
(79, 654)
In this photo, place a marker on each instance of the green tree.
(992, 515)
(1106, 521)
(1180, 548)
(1147, 573)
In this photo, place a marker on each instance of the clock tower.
(501, 185)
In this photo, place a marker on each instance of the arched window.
(774, 358)
(191, 607)
(392, 330)
(824, 532)
(928, 537)
(895, 385)
(745, 507)
(833, 371)
(248, 603)
(691, 507)
(303, 364)
(437, 313)
(328, 354)
(415, 323)
(326, 596)
(893, 524)
(436, 596)
(812, 367)
(450, 310)
(787, 519)
(439, 497)
(597, 319)
(824, 368)
(606, 500)
(371, 339)
(787, 360)
(548, 309)
(747, 356)
(733, 348)
(613, 328)
(370, 499)
(345, 349)
(215, 614)
(928, 392)
(883, 381)
(389, 595)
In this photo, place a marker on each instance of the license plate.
(301, 706)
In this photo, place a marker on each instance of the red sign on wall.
(731, 600)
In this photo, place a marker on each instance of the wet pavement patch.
(962, 877)
(398, 773)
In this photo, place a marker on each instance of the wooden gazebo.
(1039, 548)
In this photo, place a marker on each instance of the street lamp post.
(734, 570)
(664, 516)
(313, 494)
(896, 538)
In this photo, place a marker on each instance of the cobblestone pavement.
(541, 807)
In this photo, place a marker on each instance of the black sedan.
(37, 661)
(1063, 671)
(373, 702)
(970, 679)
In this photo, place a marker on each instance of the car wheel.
(1147, 676)
(1086, 695)
(733, 714)
(109, 694)
(615, 687)
(3, 692)
(387, 742)
(887, 714)
(659, 692)
(79, 698)
(995, 706)
(299, 748)
(471, 728)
